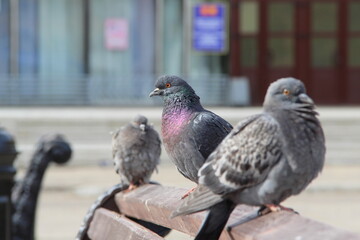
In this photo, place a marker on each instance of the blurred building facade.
(317, 41)
(101, 52)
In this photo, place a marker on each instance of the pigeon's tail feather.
(215, 221)
(201, 199)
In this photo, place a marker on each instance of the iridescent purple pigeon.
(190, 132)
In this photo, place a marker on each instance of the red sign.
(209, 10)
(116, 34)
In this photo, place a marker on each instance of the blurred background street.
(84, 68)
(68, 191)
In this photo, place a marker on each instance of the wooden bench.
(154, 203)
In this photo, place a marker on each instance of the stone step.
(88, 129)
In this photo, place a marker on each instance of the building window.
(324, 17)
(249, 16)
(281, 17)
(281, 52)
(354, 28)
(281, 40)
(354, 56)
(249, 51)
(324, 20)
(354, 16)
(323, 52)
(249, 28)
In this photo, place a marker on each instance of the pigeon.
(265, 159)
(136, 149)
(189, 132)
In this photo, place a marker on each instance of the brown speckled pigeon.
(265, 159)
(136, 151)
(189, 132)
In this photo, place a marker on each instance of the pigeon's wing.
(151, 152)
(126, 147)
(245, 157)
(208, 131)
(187, 157)
(114, 143)
(154, 143)
(201, 136)
(119, 151)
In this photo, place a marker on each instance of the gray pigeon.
(189, 132)
(265, 159)
(136, 150)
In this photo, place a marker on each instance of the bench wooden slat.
(113, 226)
(155, 203)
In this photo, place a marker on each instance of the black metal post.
(7, 171)
(50, 148)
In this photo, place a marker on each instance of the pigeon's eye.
(286, 92)
(167, 85)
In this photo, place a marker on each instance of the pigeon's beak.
(305, 99)
(156, 92)
(142, 127)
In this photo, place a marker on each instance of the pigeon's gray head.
(286, 92)
(172, 85)
(140, 121)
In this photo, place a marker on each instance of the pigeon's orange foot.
(282, 208)
(131, 187)
(268, 208)
(188, 192)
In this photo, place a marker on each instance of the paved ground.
(69, 191)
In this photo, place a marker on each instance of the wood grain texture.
(155, 203)
(112, 226)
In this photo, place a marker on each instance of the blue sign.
(209, 27)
